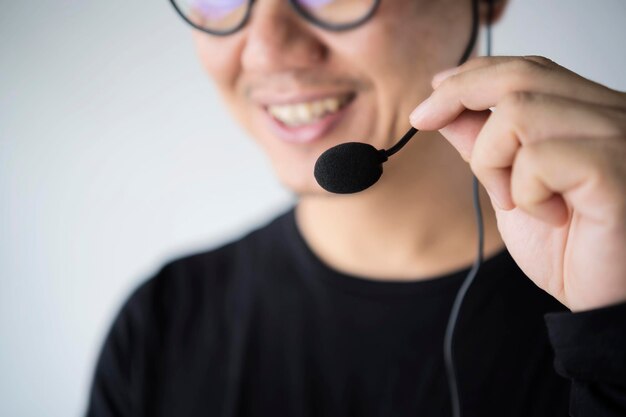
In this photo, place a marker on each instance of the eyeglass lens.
(226, 16)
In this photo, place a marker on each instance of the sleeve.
(117, 367)
(590, 350)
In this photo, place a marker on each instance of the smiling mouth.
(308, 112)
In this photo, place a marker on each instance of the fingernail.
(420, 112)
(441, 76)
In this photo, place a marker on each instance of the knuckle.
(540, 60)
(521, 72)
(452, 82)
(608, 172)
(619, 115)
(515, 104)
(446, 84)
(524, 65)
(612, 161)
(615, 119)
(475, 62)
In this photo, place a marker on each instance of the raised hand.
(549, 146)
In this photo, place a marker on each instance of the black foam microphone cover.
(349, 167)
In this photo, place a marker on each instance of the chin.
(299, 182)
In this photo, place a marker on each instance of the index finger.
(481, 84)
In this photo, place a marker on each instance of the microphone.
(354, 166)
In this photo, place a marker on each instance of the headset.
(352, 167)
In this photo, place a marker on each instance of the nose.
(277, 39)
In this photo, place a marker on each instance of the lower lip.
(306, 133)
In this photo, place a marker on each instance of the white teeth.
(331, 104)
(305, 113)
(318, 107)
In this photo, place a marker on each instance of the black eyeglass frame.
(298, 9)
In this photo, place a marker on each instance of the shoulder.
(183, 309)
(205, 279)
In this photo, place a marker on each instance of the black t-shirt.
(262, 327)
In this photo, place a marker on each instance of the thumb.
(463, 131)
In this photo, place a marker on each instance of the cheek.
(395, 64)
(404, 46)
(219, 57)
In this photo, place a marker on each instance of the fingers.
(550, 175)
(533, 132)
(481, 84)
(462, 132)
(522, 119)
(485, 61)
(530, 175)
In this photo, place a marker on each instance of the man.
(338, 306)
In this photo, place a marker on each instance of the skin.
(417, 222)
(552, 159)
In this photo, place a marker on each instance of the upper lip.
(274, 99)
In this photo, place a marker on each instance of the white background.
(116, 155)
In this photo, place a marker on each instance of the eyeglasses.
(223, 17)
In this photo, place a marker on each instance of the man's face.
(299, 89)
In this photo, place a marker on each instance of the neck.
(417, 222)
